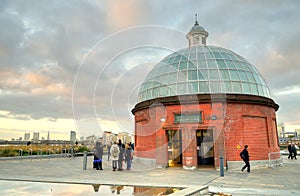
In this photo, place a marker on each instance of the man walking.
(245, 156)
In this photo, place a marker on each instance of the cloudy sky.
(78, 65)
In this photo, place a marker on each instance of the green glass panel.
(201, 56)
(175, 65)
(172, 89)
(225, 74)
(184, 57)
(163, 91)
(192, 65)
(208, 55)
(236, 87)
(173, 77)
(217, 55)
(228, 86)
(214, 75)
(262, 80)
(253, 89)
(192, 75)
(149, 94)
(181, 76)
(193, 87)
(221, 64)
(230, 64)
(177, 58)
(203, 87)
(257, 80)
(234, 75)
(215, 87)
(231, 56)
(203, 74)
(164, 78)
(155, 92)
(260, 90)
(202, 64)
(211, 64)
(246, 67)
(193, 57)
(183, 65)
(226, 56)
(246, 88)
(181, 88)
(166, 69)
(243, 76)
(250, 77)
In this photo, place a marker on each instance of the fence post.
(84, 160)
(221, 166)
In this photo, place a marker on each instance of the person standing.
(245, 156)
(294, 151)
(290, 151)
(98, 152)
(121, 155)
(114, 152)
(128, 156)
(108, 150)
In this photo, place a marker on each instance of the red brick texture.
(235, 120)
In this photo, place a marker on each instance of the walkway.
(283, 180)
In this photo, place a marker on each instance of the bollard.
(20, 154)
(221, 166)
(84, 160)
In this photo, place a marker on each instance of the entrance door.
(174, 147)
(205, 146)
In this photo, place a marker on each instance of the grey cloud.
(51, 39)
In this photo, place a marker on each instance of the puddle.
(60, 189)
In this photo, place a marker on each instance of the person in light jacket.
(114, 152)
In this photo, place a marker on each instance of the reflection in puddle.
(60, 189)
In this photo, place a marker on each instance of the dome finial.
(196, 20)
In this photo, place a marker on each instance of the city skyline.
(78, 65)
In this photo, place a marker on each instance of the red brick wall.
(236, 124)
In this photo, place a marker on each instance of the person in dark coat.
(121, 155)
(128, 156)
(245, 156)
(98, 152)
(108, 150)
(290, 151)
(294, 151)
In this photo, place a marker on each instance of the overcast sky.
(78, 65)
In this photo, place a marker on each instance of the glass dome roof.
(202, 69)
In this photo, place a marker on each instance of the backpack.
(115, 151)
(242, 155)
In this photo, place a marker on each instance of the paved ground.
(283, 180)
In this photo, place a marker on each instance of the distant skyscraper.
(73, 136)
(27, 137)
(36, 136)
(48, 136)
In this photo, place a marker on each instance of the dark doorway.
(205, 147)
(174, 147)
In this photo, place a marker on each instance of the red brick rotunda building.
(202, 103)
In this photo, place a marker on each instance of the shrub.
(8, 153)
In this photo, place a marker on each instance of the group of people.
(292, 148)
(117, 152)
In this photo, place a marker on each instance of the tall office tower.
(72, 136)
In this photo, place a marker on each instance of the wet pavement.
(281, 180)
